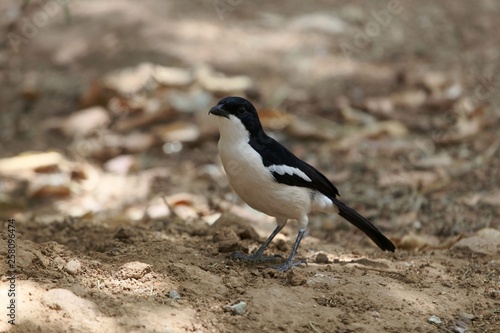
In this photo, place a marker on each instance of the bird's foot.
(256, 257)
(287, 265)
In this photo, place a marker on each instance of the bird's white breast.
(252, 181)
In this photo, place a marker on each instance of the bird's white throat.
(232, 130)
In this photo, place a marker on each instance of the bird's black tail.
(364, 225)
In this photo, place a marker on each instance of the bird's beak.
(219, 111)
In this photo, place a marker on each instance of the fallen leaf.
(468, 125)
(131, 80)
(274, 119)
(492, 198)
(409, 99)
(391, 128)
(121, 164)
(31, 161)
(410, 178)
(50, 185)
(178, 131)
(190, 101)
(217, 82)
(172, 76)
(187, 206)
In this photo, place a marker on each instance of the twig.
(314, 328)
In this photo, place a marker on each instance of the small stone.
(174, 294)
(134, 270)
(460, 327)
(434, 320)
(466, 316)
(494, 294)
(238, 308)
(73, 266)
(296, 278)
(124, 234)
(321, 258)
(60, 263)
(447, 284)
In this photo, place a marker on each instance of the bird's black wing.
(275, 154)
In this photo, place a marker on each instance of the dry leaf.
(50, 185)
(274, 119)
(172, 76)
(29, 161)
(85, 121)
(190, 101)
(379, 105)
(416, 242)
(466, 126)
(410, 178)
(132, 80)
(144, 119)
(492, 198)
(187, 206)
(391, 128)
(177, 131)
(217, 82)
(121, 164)
(409, 99)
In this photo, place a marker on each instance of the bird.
(271, 179)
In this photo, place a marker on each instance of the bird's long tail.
(364, 225)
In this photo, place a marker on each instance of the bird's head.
(237, 114)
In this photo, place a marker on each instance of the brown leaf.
(85, 121)
(392, 128)
(29, 161)
(217, 82)
(177, 131)
(492, 198)
(467, 126)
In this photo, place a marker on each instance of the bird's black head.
(238, 107)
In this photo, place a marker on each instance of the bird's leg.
(259, 255)
(289, 262)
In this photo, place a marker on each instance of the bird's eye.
(240, 111)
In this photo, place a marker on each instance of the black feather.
(364, 225)
(276, 154)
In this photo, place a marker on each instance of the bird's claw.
(287, 265)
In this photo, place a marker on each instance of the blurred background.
(106, 145)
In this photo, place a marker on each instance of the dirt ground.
(125, 221)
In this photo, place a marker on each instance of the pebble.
(434, 320)
(60, 263)
(459, 329)
(174, 294)
(467, 316)
(321, 258)
(73, 266)
(238, 308)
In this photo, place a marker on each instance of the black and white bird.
(271, 179)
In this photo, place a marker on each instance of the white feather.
(282, 169)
